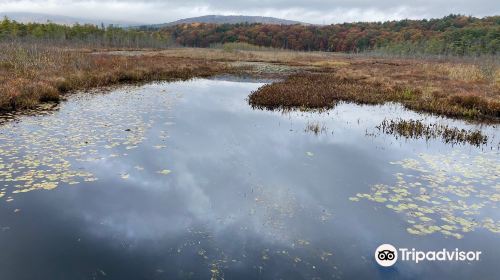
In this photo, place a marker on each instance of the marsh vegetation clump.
(417, 129)
(315, 128)
(366, 82)
(307, 90)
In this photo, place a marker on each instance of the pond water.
(185, 180)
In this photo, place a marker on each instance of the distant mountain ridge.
(65, 20)
(232, 19)
(25, 17)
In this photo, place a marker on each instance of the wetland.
(187, 180)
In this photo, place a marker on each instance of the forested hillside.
(451, 35)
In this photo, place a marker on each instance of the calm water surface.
(185, 180)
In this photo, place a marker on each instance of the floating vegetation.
(417, 129)
(277, 208)
(272, 212)
(164, 172)
(54, 149)
(209, 250)
(449, 194)
(159, 147)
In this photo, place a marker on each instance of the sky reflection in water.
(185, 180)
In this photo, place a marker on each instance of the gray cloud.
(313, 11)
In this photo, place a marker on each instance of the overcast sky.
(311, 11)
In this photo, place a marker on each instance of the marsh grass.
(269, 56)
(313, 90)
(323, 90)
(417, 129)
(241, 46)
(468, 89)
(483, 70)
(30, 74)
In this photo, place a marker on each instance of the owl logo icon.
(386, 255)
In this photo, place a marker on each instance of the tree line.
(451, 35)
(456, 35)
(87, 35)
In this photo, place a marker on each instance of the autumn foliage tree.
(451, 35)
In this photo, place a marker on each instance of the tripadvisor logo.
(387, 255)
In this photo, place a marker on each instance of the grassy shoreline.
(323, 91)
(33, 75)
(30, 75)
(458, 90)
